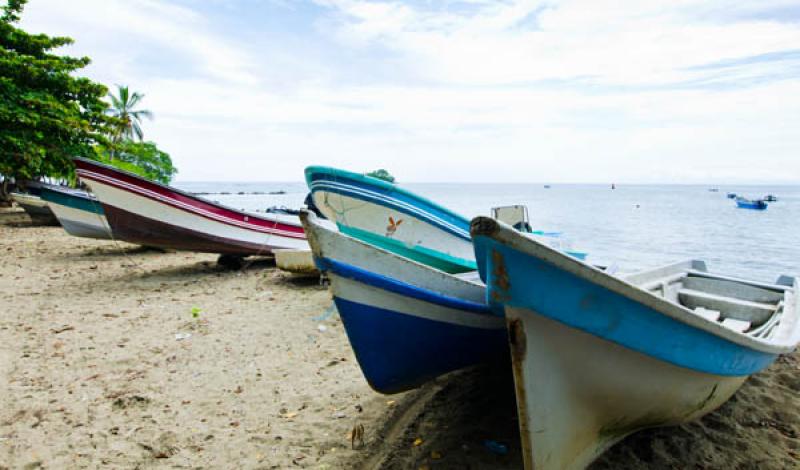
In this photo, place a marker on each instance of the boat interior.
(746, 307)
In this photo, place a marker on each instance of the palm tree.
(122, 107)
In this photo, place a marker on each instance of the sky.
(676, 91)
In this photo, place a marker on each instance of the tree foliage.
(141, 158)
(47, 115)
(382, 174)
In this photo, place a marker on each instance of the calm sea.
(631, 227)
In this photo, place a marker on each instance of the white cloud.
(481, 90)
(117, 32)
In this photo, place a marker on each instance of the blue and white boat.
(388, 216)
(407, 322)
(744, 203)
(596, 357)
(79, 212)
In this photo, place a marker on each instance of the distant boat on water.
(713, 190)
(547, 186)
(731, 195)
(771, 198)
(756, 204)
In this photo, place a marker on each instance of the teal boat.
(395, 219)
(79, 212)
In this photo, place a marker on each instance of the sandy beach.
(113, 355)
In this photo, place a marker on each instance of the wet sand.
(119, 356)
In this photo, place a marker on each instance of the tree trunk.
(5, 197)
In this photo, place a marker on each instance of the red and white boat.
(148, 213)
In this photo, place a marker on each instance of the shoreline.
(103, 361)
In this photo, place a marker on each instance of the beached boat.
(407, 322)
(597, 357)
(388, 216)
(152, 214)
(744, 203)
(79, 212)
(36, 208)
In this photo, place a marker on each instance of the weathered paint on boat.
(79, 213)
(596, 358)
(35, 207)
(407, 322)
(148, 213)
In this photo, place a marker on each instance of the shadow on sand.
(464, 420)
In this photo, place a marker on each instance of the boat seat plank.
(736, 325)
(753, 312)
(735, 289)
(712, 315)
(775, 287)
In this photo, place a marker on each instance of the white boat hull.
(298, 262)
(81, 223)
(578, 394)
(168, 215)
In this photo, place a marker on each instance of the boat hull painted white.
(168, 215)
(81, 223)
(394, 230)
(298, 262)
(578, 394)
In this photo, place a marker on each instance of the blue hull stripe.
(399, 352)
(542, 288)
(398, 287)
(450, 223)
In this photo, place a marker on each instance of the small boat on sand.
(756, 204)
(298, 262)
(152, 214)
(407, 322)
(36, 208)
(79, 212)
(597, 357)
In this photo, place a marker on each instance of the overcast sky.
(473, 90)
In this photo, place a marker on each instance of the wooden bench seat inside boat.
(752, 312)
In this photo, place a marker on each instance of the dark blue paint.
(399, 352)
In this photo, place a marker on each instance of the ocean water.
(631, 227)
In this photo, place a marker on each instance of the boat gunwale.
(372, 181)
(311, 223)
(486, 226)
